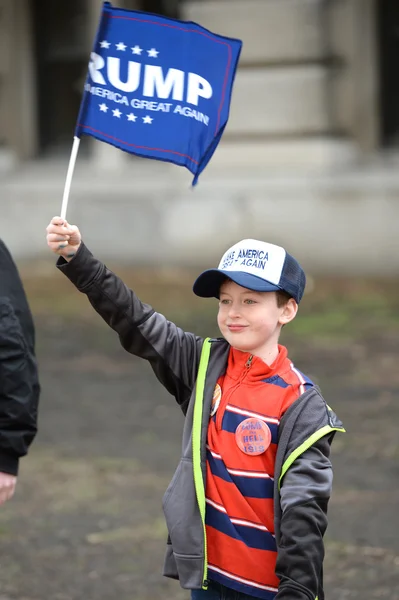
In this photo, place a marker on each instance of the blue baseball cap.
(255, 265)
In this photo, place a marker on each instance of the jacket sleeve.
(19, 383)
(304, 496)
(172, 353)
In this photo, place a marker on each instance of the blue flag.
(157, 87)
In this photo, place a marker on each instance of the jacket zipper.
(224, 402)
(197, 421)
(196, 446)
(249, 361)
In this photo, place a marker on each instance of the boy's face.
(251, 321)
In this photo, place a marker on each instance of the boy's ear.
(288, 312)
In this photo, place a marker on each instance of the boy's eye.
(250, 301)
(224, 301)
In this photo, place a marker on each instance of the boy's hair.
(282, 298)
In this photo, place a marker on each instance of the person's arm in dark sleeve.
(19, 390)
(304, 496)
(173, 354)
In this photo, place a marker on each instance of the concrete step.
(291, 100)
(272, 30)
(233, 158)
(239, 156)
(343, 222)
(295, 155)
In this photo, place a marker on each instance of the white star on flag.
(103, 107)
(121, 46)
(137, 50)
(131, 117)
(117, 112)
(153, 53)
(147, 120)
(105, 44)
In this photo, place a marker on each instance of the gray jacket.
(303, 474)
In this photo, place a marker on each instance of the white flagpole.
(68, 181)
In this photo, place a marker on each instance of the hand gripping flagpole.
(68, 181)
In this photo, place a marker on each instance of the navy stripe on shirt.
(308, 382)
(250, 536)
(276, 380)
(250, 487)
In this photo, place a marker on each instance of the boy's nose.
(234, 311)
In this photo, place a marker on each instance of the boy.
(246, 508)
(19, 385)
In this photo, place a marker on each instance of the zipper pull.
(249, 361)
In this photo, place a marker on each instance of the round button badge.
(217, 395)
(253, 436)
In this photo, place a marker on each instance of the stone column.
(18, 126)
(356, 90)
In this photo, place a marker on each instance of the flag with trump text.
(158, 88)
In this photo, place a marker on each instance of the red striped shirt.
(239, 490)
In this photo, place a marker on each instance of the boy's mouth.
(236, 328)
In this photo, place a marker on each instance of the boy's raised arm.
(172, 353)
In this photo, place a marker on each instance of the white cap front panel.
(255, 257)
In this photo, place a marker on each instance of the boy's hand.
(63, 239)
(7, 486)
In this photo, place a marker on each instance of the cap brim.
(207, 285)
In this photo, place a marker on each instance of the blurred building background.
(309, 158)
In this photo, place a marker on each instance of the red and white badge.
(253, 436)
